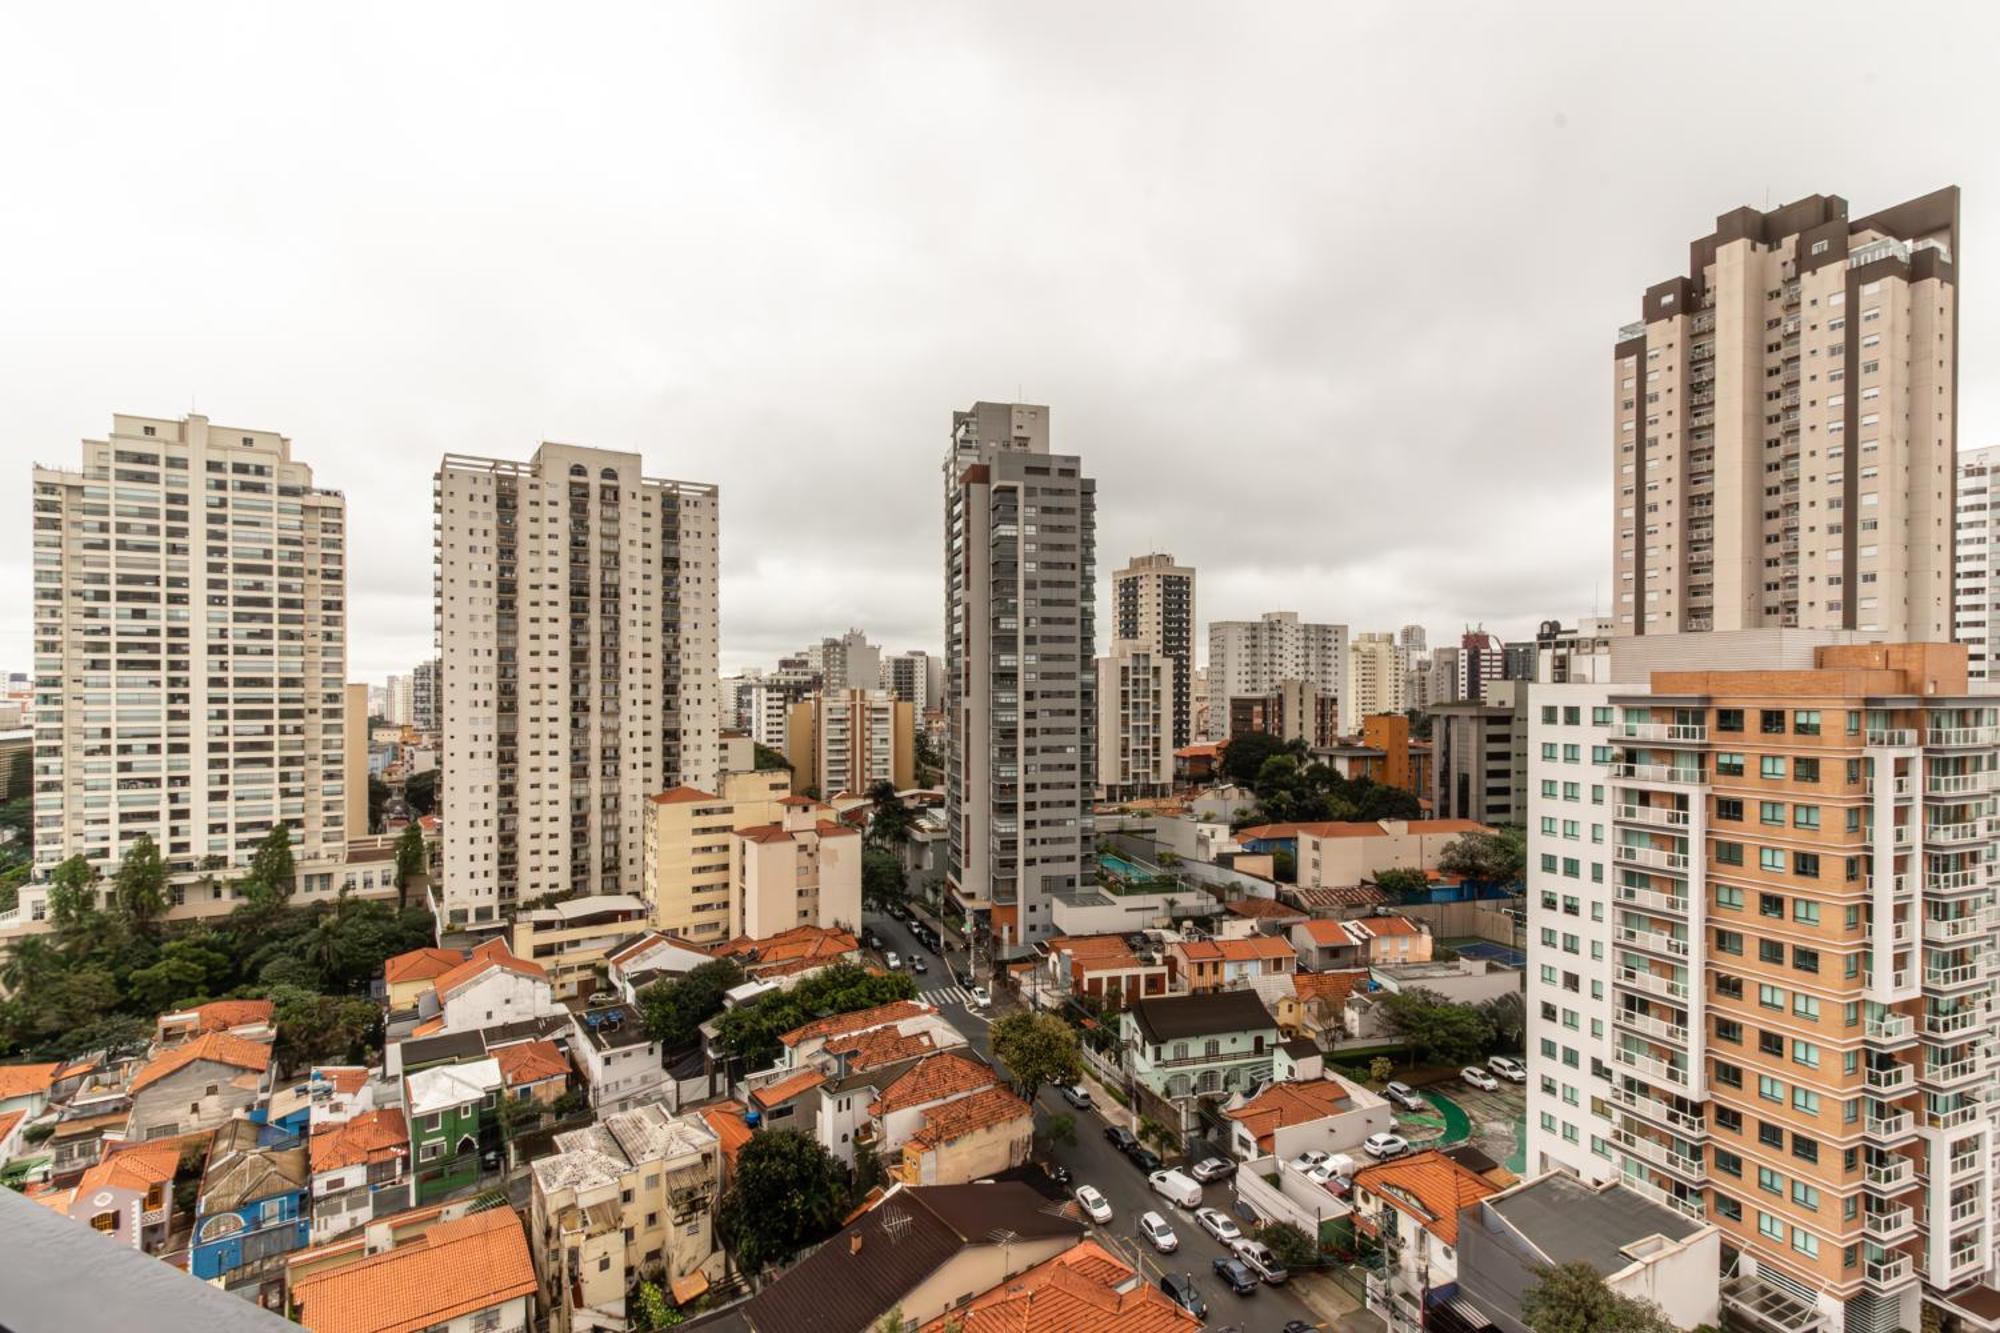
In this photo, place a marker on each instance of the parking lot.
(1494, 1122)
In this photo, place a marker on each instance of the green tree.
(378, 797)
(1284, 865)
(273, 873)
(1573, 1299)
(1294, 1248)
(769, 760)
(750, 1032)
(655, 1312)
(139, 889)
(1488, 858)
(673, 1010)
(73, 903)
(1440, 1031)
(1403, 883)
(1508, 1016)
(882, 879)
(420, 792)
(1059, 1130)
(1243, 756)
(1037, 1049)
(314, 1027)
(789, 1193)
(1381, 1069)
(168, 984)
(889, 820)
(412, 860)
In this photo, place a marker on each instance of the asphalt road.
(1093, 1161)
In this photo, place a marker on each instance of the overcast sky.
(1323, 294)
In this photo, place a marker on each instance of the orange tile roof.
(1256, 947)
(1080, 947)
(26, 1080)
(775, 1094)
(882, 1046)
(420, 965)
(373, 1136)
(1334, 986)
(969, 1115)
(1079, 1288)
(219, 1047)
(1284, 1104)
(221, 1015)
(763, 833)
(859, 1020)
(8, 1121)
(492, 954)
(932, 1078)
(428, 1026)
(346, 1079)
(798, 943)
(139, 1168)
(726, 1119)
(681, 795)
(457, 1268)
(531, 1062)
(1322, 931)
(1262, 907)
(802, 801)
(1381, 927)
(1200, 951)
(827, 829)
(1428, 1187)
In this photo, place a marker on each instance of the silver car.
(1158, 1234)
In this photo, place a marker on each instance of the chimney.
(854, 1243)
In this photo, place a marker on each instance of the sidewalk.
(1333, 1305)
(1108, 1107)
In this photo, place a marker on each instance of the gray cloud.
(1323, 294)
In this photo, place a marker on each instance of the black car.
(1180, 1290)
(1237, 1275)
(1120, 1138)
(1144, 1158)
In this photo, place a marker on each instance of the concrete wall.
(1292, 1198)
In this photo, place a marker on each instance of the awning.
(690, 1287)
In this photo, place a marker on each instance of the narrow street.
(1093, 1161)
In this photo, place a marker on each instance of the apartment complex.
(1482, 663)
(1250, 657)
(802, 869)
(689, 841)
(1020, 688)
(1973, 623)
(576, 624)
(1785, 426)
(916, 677)
(1136, 721)
(848, 740)
(190, 629)
(1479, 757)
(1292, 710)
(424, 697)
(1376, 666)
(1794, 965)
(849, 662)
(1152, 605)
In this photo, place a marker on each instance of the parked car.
(1144, 1158)
(1309, 1159)
(1137, 942)
(1340, 1166)
(1174, 1186)
(1180, 1289)
(1218, 1224)
(1120, 1138)
(1298, 1326)
(891, 960)
(1076, 1095)
(1257, 1257)
(918, 965)
(1475, 1077)
(1094, 1204)
(980, 999)
(1213, 1168)
(1405, 1096)
(1158, 1234)
(1236, 1275)
(1507, 1067)
(1384, 1146)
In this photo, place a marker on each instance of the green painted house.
(453, 1111)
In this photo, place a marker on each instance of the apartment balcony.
(1891, 1177)
(1959, 784)
(1886, 1225)
(1953, 1024)
(1954, 835)
(1652, 857)
(1958, 976)
(1957, 1074)
(1891, 1128)
(1902, 785)
(1654, 942)
(1652, 984)
(1656, 1028)
(1661, 774)
(1954, 1118)
(1954, 929)
(1890, 1080)
(1657, 816)
(1892, 737)
(1654, 1111)
(1963, 738)
(1891, 1270)
(1963, 1164)
(1652, 1070)
(1652, 901)
(1682, 733)
(1891, 1030)
(1950, 883)
(1689, 1207)
(1690, 1169)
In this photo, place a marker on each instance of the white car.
(1405, 1096)
(980, 999)
(1325, 1173)
(1094, 1205)
(1158, 1234)
(1306, 1161)
(1218, 1224)
(1384, 1146)
(1507, 1067)
(893, 962)
(1476, 1077)
(1213, 1168)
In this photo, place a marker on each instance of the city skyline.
(1193, 369)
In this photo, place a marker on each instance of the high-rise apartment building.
(576, 621)
(1978, 503)
(190, 628)
(1135, 721)
(397, 701)
(1413, 640)
(1152, 606)
(1786, 416)
(690, 885)
(1250, 657)
(1482, 660)
(424, 696)
(1769, 1005)
(1479, 766)
(916, 677)
(1020, 680)
(849, 662)
(846, 741)
(1376, 669)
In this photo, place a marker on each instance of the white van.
(1176, 1187)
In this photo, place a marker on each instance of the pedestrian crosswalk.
(943, 995)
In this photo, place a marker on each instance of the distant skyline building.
(1482, 660)
(1153, 608)
(1250, 658)
(1020, 551)
(849, 662)
(1376, 667)
(916, 677)
(424, 696)
(1785, 425)
(1136, 686)
(1978, 503)
(576, 622)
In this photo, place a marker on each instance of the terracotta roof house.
(1084, 1287)
(360, 1170)
(1415, 1202)
(1328, 1114)
(458, 1270)
(533, 1070)
(128, 1184)
(244, 1018)
(968, 1139)
(26, 1087)
(198, 1085)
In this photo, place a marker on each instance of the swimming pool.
(1118, 865)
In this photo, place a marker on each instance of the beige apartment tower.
(690, 837)
(1152, 604)
(576, 623)
(1376, 669)
(1137, 686)
(1785, 425)
(846, 741)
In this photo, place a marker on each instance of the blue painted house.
(253, 1201)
